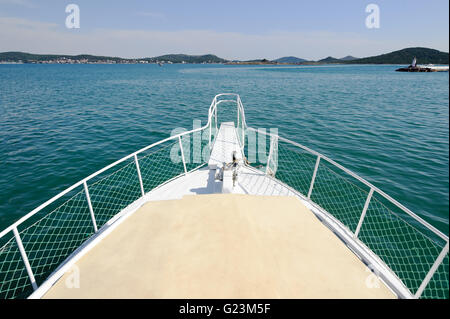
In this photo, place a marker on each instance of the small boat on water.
(199, 215)
(413, 67)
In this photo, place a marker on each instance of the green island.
(404, 56)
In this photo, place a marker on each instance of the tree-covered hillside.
(405, 56)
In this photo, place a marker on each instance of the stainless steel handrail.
(212, 112)
(373, 189)
(371, 186)
(84, 180)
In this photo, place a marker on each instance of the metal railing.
(412, 249)
(239, 115)
(34, 246)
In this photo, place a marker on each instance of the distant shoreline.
(400, 57)
(223, 64)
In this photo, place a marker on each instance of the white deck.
(225, 144)
(220, 246)
(252, 227)
(250, 180)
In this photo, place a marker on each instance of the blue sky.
(231, 29)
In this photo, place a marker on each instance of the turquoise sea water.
(60, 123)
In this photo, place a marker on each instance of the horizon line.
(200, 55)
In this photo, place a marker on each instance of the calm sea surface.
(60, 123)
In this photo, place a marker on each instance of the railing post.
(243, 113)
(25, 258)
(88, 197)
(431, 272)
(139, 174)
(311, 186)
(242, 127)
(270, 154)
(210, 129)
(237, 106)
(243, 135)
(363, 214)
(215, 117)
(182, 153)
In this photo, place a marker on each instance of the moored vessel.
(414, 67)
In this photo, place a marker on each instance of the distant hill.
(405, 56)
(29, 57)
(348, 58)
(174, 58)
(330, 59)
(289, 59)
(179, 58)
